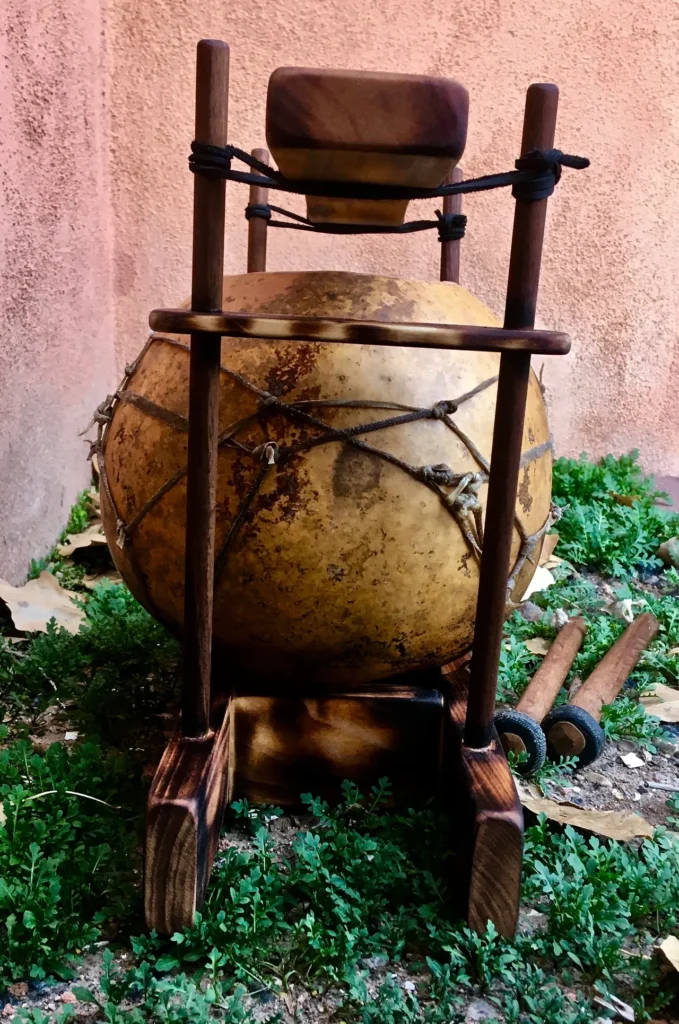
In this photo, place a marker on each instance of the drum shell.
(346, 569)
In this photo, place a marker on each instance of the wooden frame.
(194, 780)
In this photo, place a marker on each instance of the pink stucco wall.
(611, 271)
(96, 118)
(56, 353)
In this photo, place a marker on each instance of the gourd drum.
(342, 558)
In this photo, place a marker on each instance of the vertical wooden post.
(450, 251)
(522, 288)
(212, 97)
(257, 226)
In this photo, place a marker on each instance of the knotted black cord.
(460, 504)
(535, 176)
(450, 226)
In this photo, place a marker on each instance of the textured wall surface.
(610, 271)
(96, 115)
(56, 347)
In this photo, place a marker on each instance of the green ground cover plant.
(359, 886)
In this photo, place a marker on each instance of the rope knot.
(261, 210)
(121, 534)
(444, 408)
(439, 474)
(451, 226)
(544, 166)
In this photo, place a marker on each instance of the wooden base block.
(282, 747)
(478, 788)
(270, 749)
(183, 817)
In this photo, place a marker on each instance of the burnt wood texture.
(283, 746)
(524, 275)
(389, 129)
(359, 332)
(183, 818)
(478, 789)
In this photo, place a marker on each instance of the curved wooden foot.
(480, 791)
(183, 817)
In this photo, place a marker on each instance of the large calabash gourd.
(345, 569)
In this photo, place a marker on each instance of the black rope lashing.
(458, 492)
(450, 226)
(538, 171)
(546, 166)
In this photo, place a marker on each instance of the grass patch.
(598, 530)
(117, 670)
(365, 883)
(67, 853)
(360, 886)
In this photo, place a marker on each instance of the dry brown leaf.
(673, 650)
(542, 578)
(662, 694)
(620, 825)
(33, 605)
(669, 952)
(550, 542)
(663, 704)
(3, 816)
(94, 534)
(629, 500)
(666, 712)
(537, 645)
(91, 581)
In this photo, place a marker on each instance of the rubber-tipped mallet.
(573, 730)
(519, 728)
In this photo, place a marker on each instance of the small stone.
(559, 618)
(480, 1010)
(8, 1010)
(373, 963)
(409, 986)
(627, 746)
(19, 989)
(617, 794)
(667, 747)
(597, 779)
(531, 921)
(68, 997)
(530, 612)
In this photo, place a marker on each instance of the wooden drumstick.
(573, 730)
(258, 226)
(519, 727)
